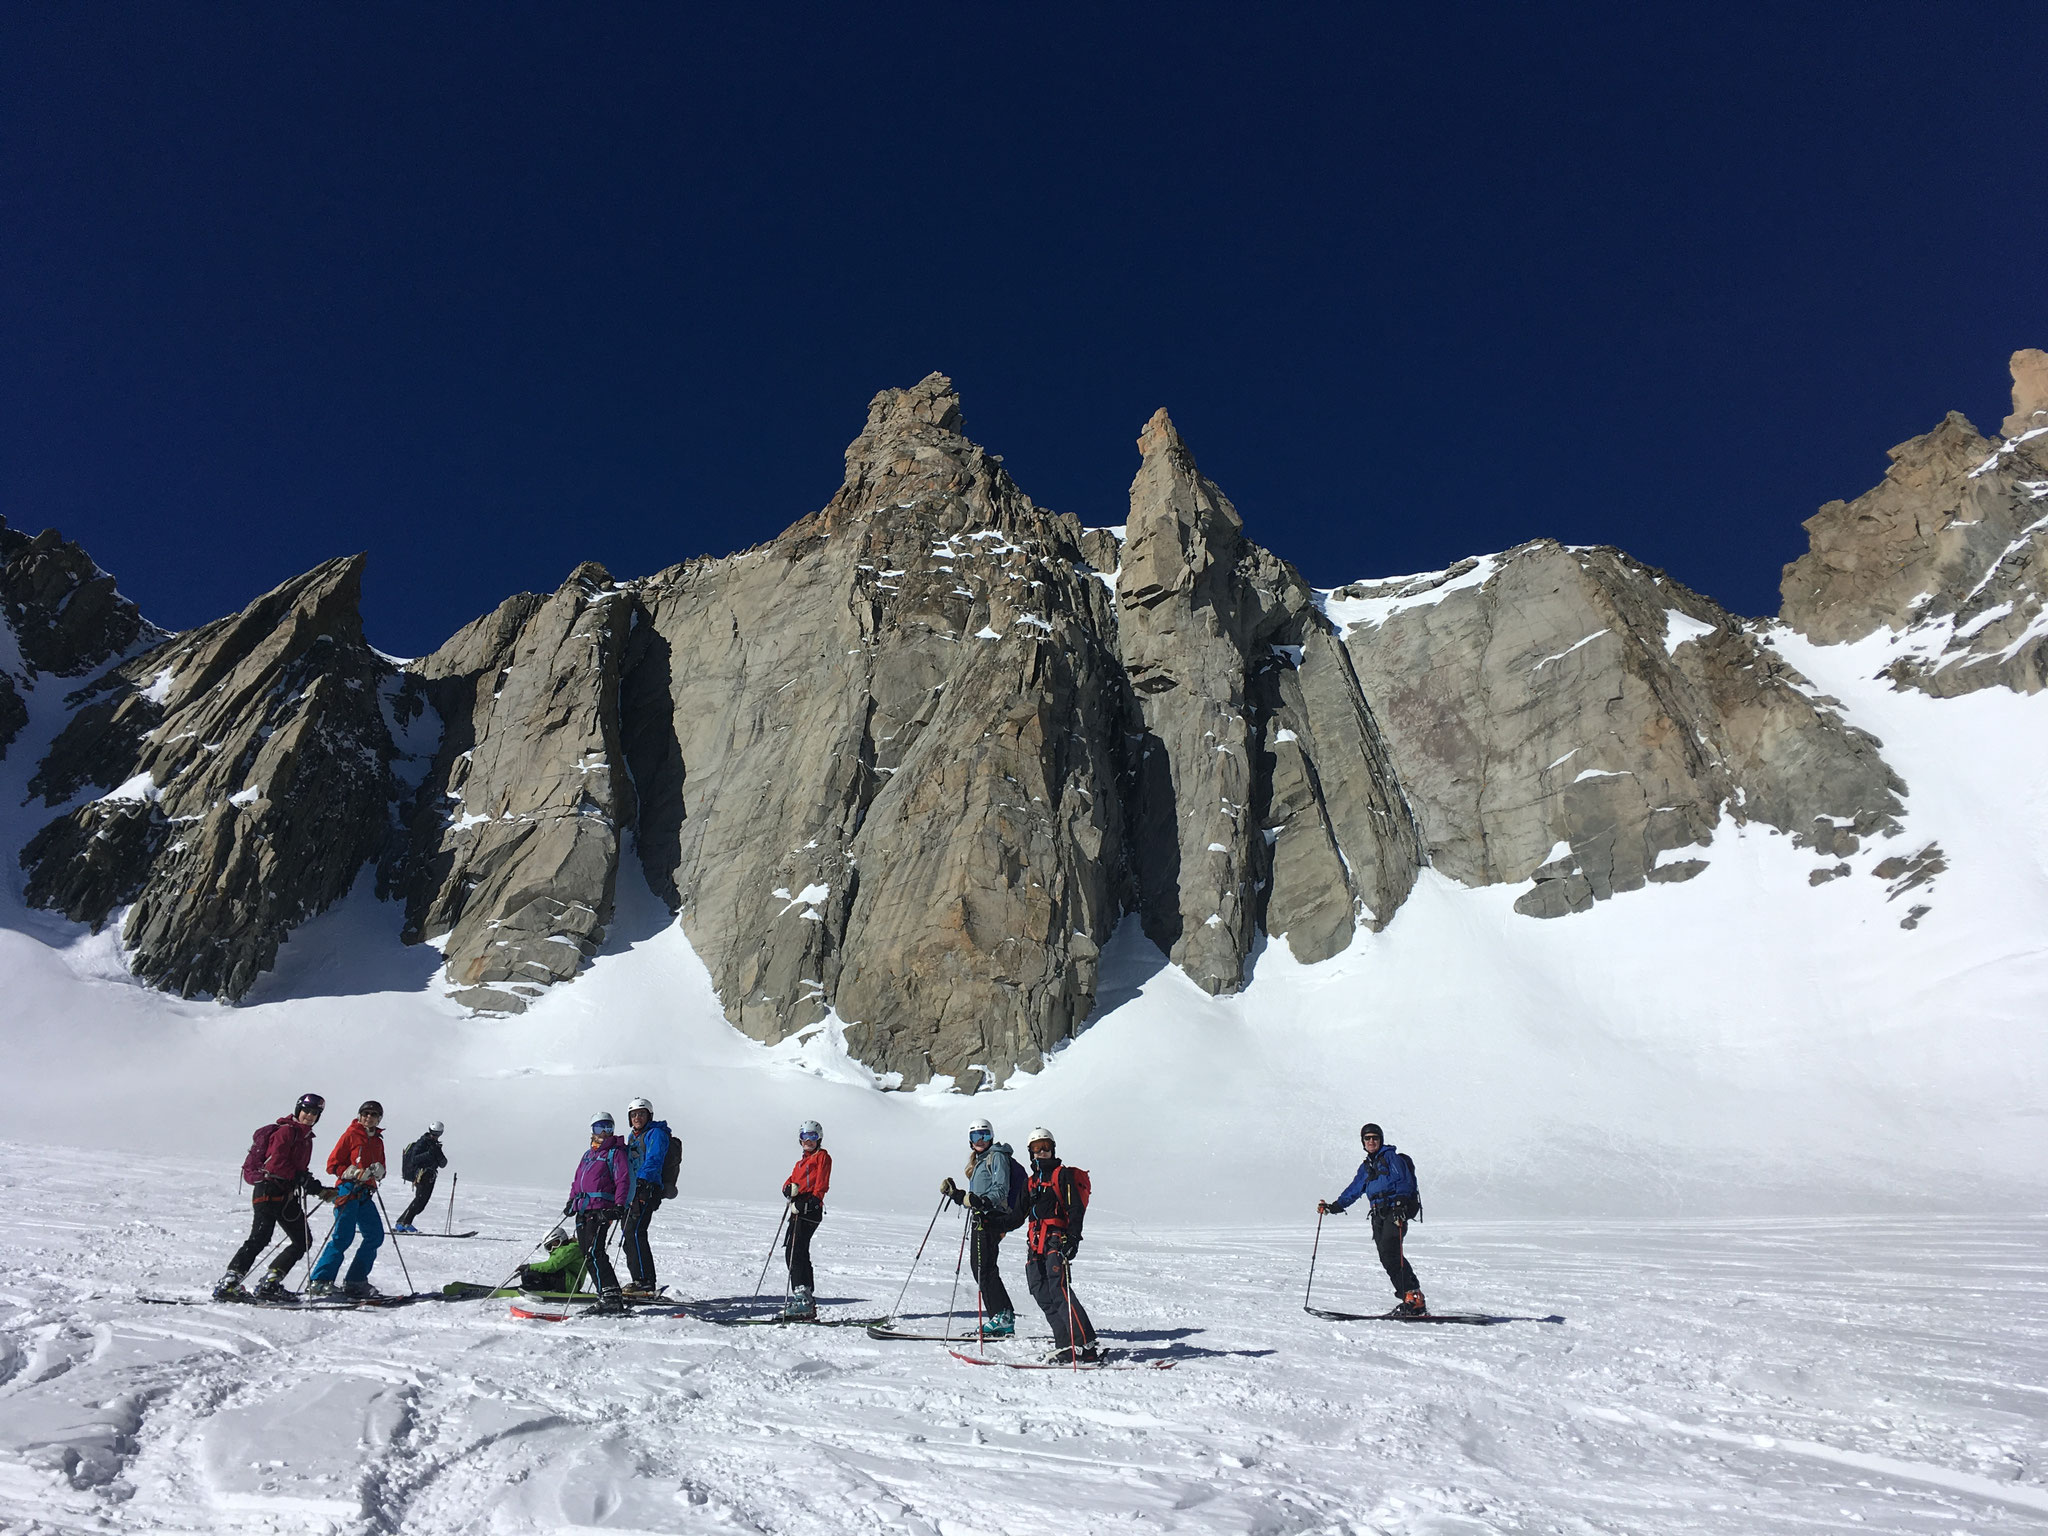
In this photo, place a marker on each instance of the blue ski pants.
(358, 1218)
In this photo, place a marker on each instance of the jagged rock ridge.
(909, 764)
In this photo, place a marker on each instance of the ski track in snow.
(1742, 1376)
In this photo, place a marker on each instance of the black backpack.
(671, 1166)
(411, 1158)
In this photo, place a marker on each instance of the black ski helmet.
(311, 1101)
(1369, 1129)
(370, 1107)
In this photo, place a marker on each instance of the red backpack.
(259, 1153)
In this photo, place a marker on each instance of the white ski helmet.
(639, 1104)
(981, 1128)
(810, 1130)
(602, 1118)
(436, 1128)
(1039, 1133)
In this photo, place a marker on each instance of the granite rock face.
(903, 770)
(1949, 550)
(1264, 796)
(245, 776)
(511, 853)
(878, 759)
(59, 615)
(1573, 718)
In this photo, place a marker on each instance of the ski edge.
(1068, 1365)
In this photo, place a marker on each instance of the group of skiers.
(624, 1181)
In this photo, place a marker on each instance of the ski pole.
(1073, 1317)
(771, 1250)
(913, 1263)
(396, 1246)
(953, 1300)
(1312, 1261)
(307, 1256)
(448, 1227)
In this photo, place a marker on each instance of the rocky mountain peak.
(1181, 527)
(2029, 393)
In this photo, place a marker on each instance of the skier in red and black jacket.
(1056, 1197)
(279, 1156)
(805, 1190)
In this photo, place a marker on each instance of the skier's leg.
(797, 1249)
(422, 1192)
(328, 1265)
(995, 1296)
(370, 1227)
(1077, 1315)
(1389, 1235)
(292, 1220)
(591, 1227)
(265, 1206)
(633, 1238)
(1042, 1275)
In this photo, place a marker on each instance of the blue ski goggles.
(980, 1138)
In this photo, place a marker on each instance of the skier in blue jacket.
(1387, 1181)
(647, 1155)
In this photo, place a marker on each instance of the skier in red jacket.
(805, 1189)
(358, 1161)
(1057, 1198)
(277, 1162)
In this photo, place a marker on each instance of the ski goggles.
(810, 1136)
(980, 1138)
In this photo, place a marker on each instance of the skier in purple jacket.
(597, 1198)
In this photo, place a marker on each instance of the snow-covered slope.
(1741, 1042)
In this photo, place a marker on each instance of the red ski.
(1068, 1365)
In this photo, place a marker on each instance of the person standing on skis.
(420, 1164)
(805, 1189)
(647, 1152)
(1387, 1181)
(597, 1197)
(1056, 1198)
(994, 1198)
(358, 1161)
(277, 1164)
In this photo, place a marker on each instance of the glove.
(322, 1193)
(950, 1190)
(1324, 1208)
(376, 1173)
(569, 1206)
(789, 1190)
(1073, 1246)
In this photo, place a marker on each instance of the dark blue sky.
(487, 291)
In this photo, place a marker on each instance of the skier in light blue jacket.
(994, 1198)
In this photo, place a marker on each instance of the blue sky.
(489, 291)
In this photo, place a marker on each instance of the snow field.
(1742, 1376)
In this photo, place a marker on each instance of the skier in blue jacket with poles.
(647, 1154)
(1387, 1181)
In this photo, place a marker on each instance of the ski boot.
(802, 1306)
(272, 1288)
(229, 1287)
(405, 1226)
(999, 1325)
(319, 1290)
(1412, 1305)
(362, 1290)
(1090, 1355)
(608, 1304)
(637, 1290)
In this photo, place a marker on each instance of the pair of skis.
(1112, 1361)
(293, 1303)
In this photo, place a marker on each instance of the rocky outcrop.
(878, 759)
(1947, 552)
(1263, 794)
(245, 770)
(1573, 718)
(512, 849)
(59, 614)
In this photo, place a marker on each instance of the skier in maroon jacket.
(279, 1157)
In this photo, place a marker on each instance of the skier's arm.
(1352, 1190)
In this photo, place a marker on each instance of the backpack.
(671, 1167)
(1414, 1201)
(409, 1161)
(259, 1154)
(1083, 1185)
(1016, 1206)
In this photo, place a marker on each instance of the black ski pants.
(592, 1227)
(1052, 1287)
(1389, 1230)
(276, 1204)
(422, 1192)
(796, 1246)
(986, 1241)
(633, 1234)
